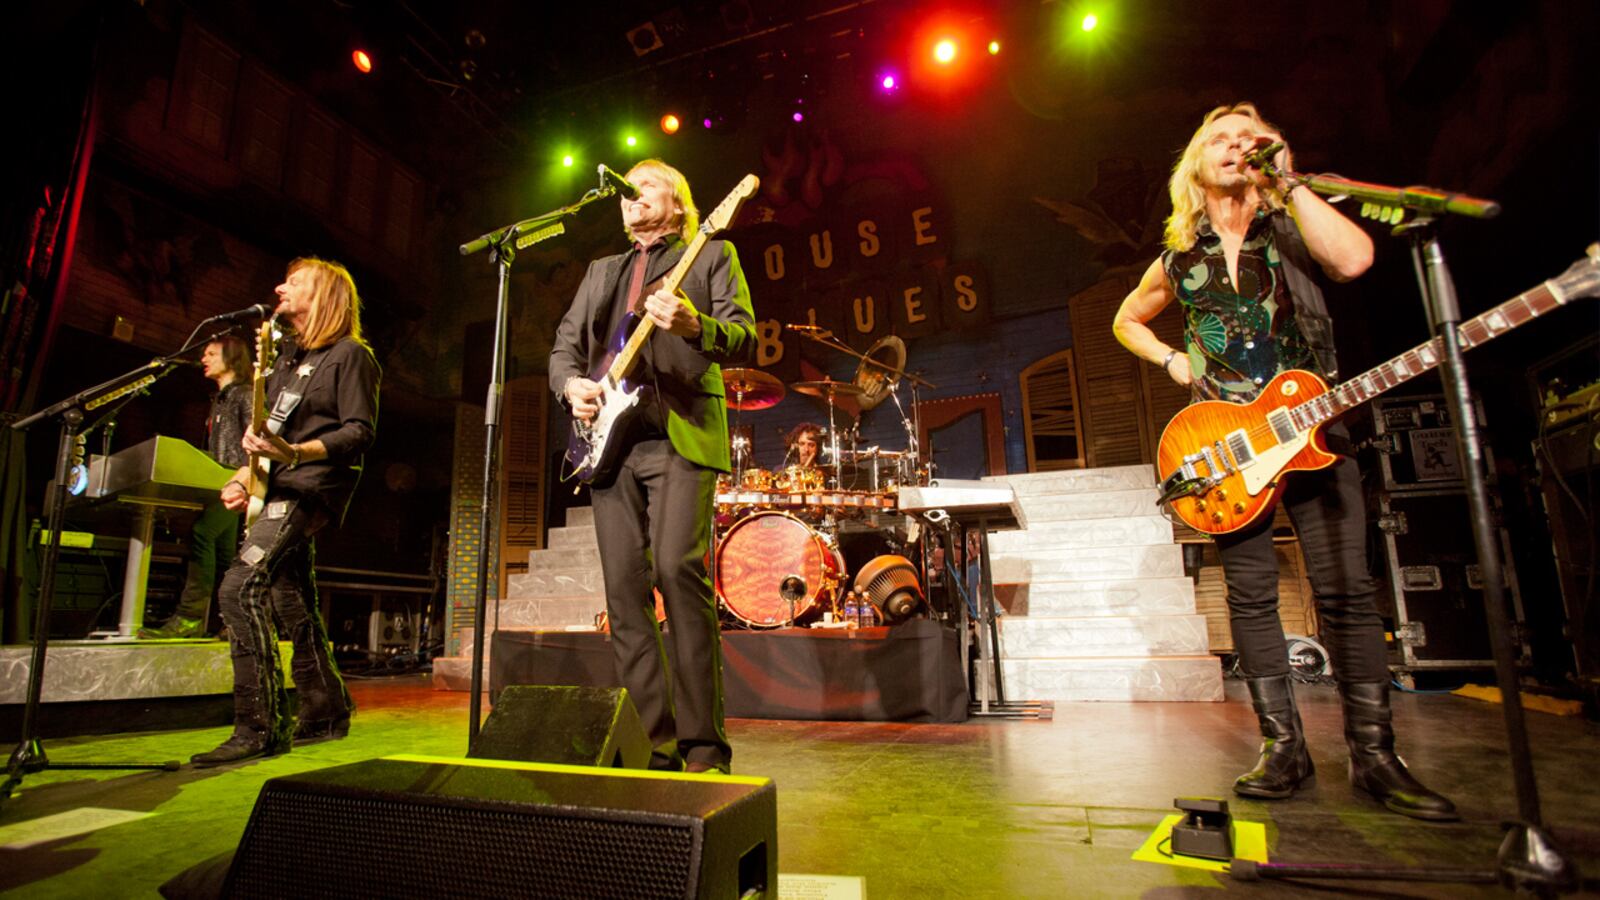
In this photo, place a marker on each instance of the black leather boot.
(244, 743)
(1285, 762)
(1374, 767)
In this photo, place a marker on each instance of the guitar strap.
(289, 398)
(1310, 308)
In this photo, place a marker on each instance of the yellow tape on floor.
(1537, 702)
(1249, 842)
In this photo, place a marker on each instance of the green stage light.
(1090, 21)
(567, 160)
(631, 141)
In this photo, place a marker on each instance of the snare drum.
(773, 569)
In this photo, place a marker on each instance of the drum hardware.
(827, 389)
(752, 389)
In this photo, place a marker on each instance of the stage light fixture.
(798, 116)
(362, 60)
(944, 51)
(888, 82)
(631, 141)
(1090, 22)
(566, 160)
(994, 48)
(670, 124)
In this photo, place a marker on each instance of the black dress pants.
(654, 526)
(1329, 516)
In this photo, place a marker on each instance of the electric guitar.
(592, 448)
(260, 467)
(1223, 463)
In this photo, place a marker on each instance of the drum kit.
(777, 542)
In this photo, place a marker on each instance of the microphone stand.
(503, 244)
(29, 757)
(1529, 858)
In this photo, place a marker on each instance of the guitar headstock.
(722, 216)
(266, 348)
(1582, 278)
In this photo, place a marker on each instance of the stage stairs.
(1098, 606)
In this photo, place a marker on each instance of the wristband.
(294, 458)
(1166, 364)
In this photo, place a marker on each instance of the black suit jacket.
(687, 373)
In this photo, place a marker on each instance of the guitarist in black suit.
(653, 513)
(1245, 259)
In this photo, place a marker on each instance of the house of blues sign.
(872, 271)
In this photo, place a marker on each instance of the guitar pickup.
(1239, 447)
(1282, 427)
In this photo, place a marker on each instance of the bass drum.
(772, 569)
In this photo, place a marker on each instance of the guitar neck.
(630, 351)
(1518, 310)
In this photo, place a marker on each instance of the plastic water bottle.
(852, 613)
(869, 614)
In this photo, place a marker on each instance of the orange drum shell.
(798, 479)
(758, 553)
(755, 480)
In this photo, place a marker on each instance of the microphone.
(812, 330)
(622, 185)
(1262, 155)
(259, 311)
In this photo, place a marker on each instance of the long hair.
(1188, 196)
(680, 189)
(801, 430)
(335, 305)
(236, 356)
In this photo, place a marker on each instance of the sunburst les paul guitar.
(1223, 464)
(260, 468)
(592, 449)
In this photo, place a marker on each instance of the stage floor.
(987, 808)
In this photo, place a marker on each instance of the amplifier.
(1416, 444)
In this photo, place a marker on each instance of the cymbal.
(876, 381)
(826, 388)
(751, 389)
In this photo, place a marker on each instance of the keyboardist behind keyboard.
(215, 536)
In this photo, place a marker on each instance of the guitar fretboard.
(1518, 310)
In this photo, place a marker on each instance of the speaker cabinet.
(576, 726)
(420, 826)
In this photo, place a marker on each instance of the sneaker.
(175, 628)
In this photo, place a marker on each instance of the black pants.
(212, 543)
(1329, 516)
(271, 583)
(654, 524)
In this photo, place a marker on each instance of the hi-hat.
(827, 388)
(751, 389)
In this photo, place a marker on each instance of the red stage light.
(362, 60)
(670, 123)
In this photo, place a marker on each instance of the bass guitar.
(592, 448)
(1223, 464)
(260, 468)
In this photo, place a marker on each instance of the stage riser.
(1091, 564)
(572, 558)
(570, 536)
(1197, 678)
(1130, 597)
(1131, 531)
(566, 583)
(83, 670)
(1031, 637)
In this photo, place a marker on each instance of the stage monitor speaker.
(575, 726)
(419, 826)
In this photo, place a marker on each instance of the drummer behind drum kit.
(778, 554)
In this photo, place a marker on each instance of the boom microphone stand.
(1529, 859)
(503, 244)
